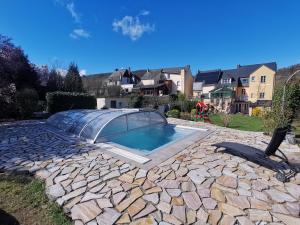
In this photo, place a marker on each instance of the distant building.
(153, 82)
(238, 90)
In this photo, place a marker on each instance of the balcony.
(242, 98)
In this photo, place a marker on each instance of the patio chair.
(262, 158)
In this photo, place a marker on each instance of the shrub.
(61, 101)
(185, 116)
(8, 102)
(193, 114)
(275, 118)
(256, 112)
(136, 101)
(27, 102)
(175, 113)
(226, 118)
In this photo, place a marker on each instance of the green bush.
(256, 112)
(226, 119)
(185, 116)
(27, 102)
(175, 113)
(193, 114)
(61, 101)
(136, 101)
(275, 118)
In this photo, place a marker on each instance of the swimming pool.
(147, 139)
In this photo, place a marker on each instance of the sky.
(101, 36)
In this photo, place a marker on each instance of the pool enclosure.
(99, 125)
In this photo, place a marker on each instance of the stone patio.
(196, 186)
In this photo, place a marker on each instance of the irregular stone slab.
(61, 178)
(203, 192)
(238, 201)
(279, 196)
(124, 219)
(86, 211)
(164, 207)
(191, 216)
(165, 197)
(188, 186)
(192, 200)
(136, 207)
(144, 221)
(293, 208)
(217, 194)
(153, 190)
(117, 198)
(179, 213)
(231, 210)
(259, 215)
(202, 215)
(227, 181)
(258, 204)
(146, 211)
(259, 185)
(214, 217)
(244, 220)
(197, 176)
(126, 178)
(177, 201)
(90, 196)
(67, 170)
(227, 220)
(171, 219)
(108, 217)
(209, 203)
(135, 194)
(174, 192)
(55, 191)
(293, 189)
(79, 184)
(111, 175)
(97, 188)
(168, 184)
(141, 173)
(104, 203)
(288, 220)
(279, 208)
(74, 194)
(152, 198)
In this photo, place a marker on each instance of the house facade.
(242, 89)
(153, 82)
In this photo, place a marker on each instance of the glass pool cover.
(99, 125)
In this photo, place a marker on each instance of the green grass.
(240, 122)
(25, 199)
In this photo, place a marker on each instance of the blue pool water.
(149, 138)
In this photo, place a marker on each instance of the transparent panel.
(118, 125)
(156, 118)
(136, 120)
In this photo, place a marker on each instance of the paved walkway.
(196, 186)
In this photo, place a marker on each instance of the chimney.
(238, 66)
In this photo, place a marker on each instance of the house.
(166, 81)
(241, 89)
(204, 82)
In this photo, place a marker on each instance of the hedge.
(175, 113)
(61, 101)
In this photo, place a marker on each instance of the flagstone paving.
(196, 186)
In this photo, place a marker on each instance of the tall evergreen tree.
(55, 81)
(73, 82)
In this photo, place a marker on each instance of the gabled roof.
(208, 77)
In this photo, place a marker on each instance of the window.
(262, 95)
(245, 80)
(263, 79)
(243, 91)
(226, 81)
(178, 83)
(253, 79)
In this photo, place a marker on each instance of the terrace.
(195, 186)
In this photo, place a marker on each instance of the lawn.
(24, 198)
(240, 122)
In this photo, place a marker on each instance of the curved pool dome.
(96, 125)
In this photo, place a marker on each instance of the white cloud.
(132, 26)
(62, 71)
(144, 12)
(82, 72)
(71, 8)
(79, 33)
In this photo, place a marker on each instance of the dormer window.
(226, 80)
(244, 80)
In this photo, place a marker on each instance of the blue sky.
(103, 35)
